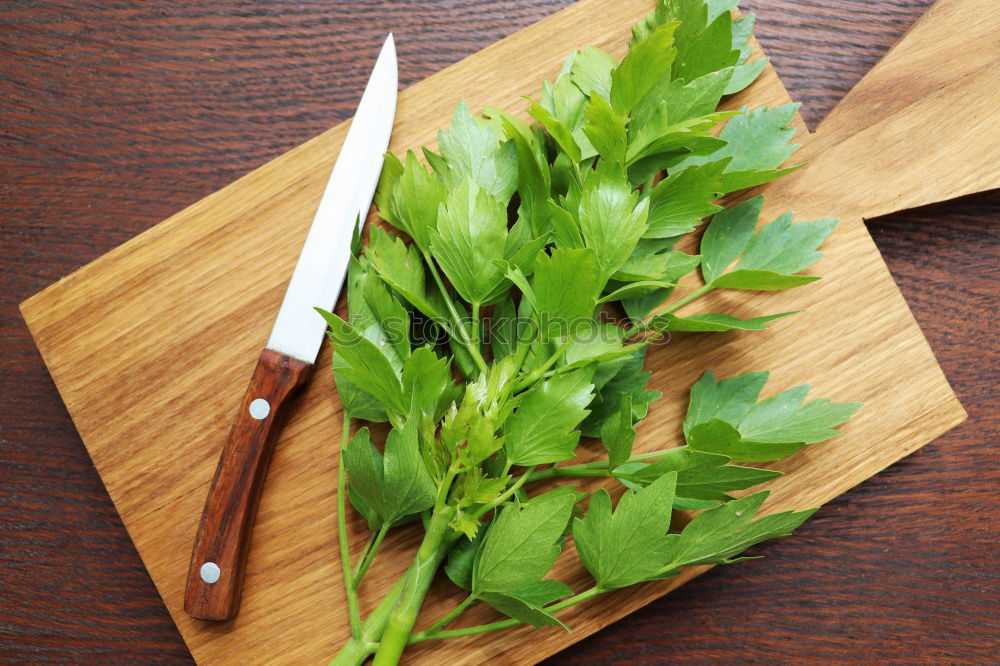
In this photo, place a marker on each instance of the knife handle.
(215, 574)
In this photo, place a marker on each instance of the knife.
(218, 560)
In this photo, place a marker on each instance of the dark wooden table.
(115, 114)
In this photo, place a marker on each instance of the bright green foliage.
(470, 238)
(394, 485)
(489, 333)
(560, 305)
(718, 535)
(365, 366)
(543, 429)
(768, 258)
(627, 546)
(703, 479)
(709, 322)
(521, 544)
(725, 417)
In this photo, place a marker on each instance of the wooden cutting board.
(152, 344)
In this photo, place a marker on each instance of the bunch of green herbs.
(486, 342)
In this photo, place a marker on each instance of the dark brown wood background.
(115, 114)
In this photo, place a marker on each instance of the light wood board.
(118, 334)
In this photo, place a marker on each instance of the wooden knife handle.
(215, 575)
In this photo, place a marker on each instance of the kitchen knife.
(215, 574)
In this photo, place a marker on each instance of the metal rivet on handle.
(210, 572)
(260, 408)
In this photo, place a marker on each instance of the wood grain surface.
(77, 131)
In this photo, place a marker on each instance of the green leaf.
(592, 341)
(716, 436)
(402, 268)
(358, 404)
(679, 203)
(666, 266)
(785, 248)
(562, 134)
(741, 180)
(365, 365)
(605, 129)
(744, 74)
(612, 219)
(470, 239)
(427, 380)
(461, 558)
(472, 149)
(717, 535)
(392, 319)
(543, 427)
(627, 379)
(727, 235)
(534, 179)
(633, 290)
(703, 478)
(411, 202)
(629, 545)
(729, 400)
(755, 140)
(565, 289)
(702, 52)
(708, 323)
(618, 434)
(646, 63)
(515, 605)
(784, 418)
(699, 97)
(521, 545)
(762, 280)
(505, 329)
(591, 71)
(565, 229)
(395, 485)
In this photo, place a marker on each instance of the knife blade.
(218, 559)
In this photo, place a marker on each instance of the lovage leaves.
(769, 258)
(718, 535)
(627, 545)
(543, 429)
(394, 485)
(470, 239)
(519, 548)
(724, 417)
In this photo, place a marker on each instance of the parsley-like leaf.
(628, 545)
(394, 485)
(718, 535)
(543, 428)
(470, 239)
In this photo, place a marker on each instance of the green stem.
(455, 612)
(370, 555)
(475, 327)
(502, 624)
(357, 650)
(417, 581)
(597, 468)
(673, 307)
(353, 612)
(697, 293)
(464, 334)
(521, 480)
(537, 373)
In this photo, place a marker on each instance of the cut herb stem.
(354, 614)
(369, 555)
